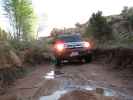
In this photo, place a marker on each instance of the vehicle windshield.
(74, 38)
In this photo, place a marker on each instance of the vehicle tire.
(57, 62)
(88, 58)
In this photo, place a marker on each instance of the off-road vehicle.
(71, 47)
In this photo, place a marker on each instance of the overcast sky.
(65, 13)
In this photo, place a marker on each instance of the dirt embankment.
(120, 58)
(15, 63)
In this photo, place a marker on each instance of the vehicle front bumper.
(67, 54)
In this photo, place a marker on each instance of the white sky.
(65, 13)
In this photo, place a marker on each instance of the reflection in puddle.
(54, 96)
(53, 74)
(89, 88)
(109, 92)
(50, 75)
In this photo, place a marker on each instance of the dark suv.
(71, 47)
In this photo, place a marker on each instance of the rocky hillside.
(120, 24)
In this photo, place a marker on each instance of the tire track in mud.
(80, 76)
(75, 76)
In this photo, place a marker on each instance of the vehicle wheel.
(57, 62)
(88, 58)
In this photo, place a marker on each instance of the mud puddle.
(59, 93)
(55, 96)
(105, 92)
(68, 86)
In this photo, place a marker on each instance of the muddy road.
(73, 82)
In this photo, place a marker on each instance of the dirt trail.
(36, 85)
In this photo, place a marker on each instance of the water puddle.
(55, 96)
(109, 92)
(106, 92)
(67, 86)
(53, 74)
(50, 75)
(89, 88)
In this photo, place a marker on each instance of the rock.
(100, 91)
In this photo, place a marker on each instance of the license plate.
(74, 54)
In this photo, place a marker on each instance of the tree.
(124, 12)
(127, 14)
(98, 27)
(21, 16)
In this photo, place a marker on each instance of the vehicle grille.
(74, 45)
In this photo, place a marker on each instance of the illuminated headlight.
(87, 45)
(59, 47)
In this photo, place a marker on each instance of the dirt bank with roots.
(14, 63)
(120, 58)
